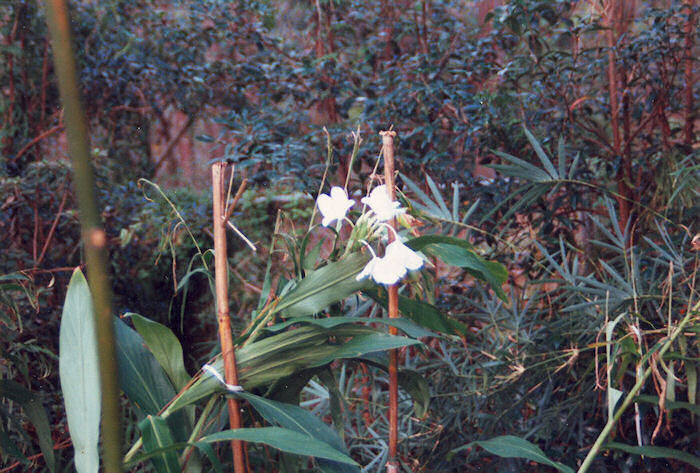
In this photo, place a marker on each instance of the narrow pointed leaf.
(36, 414)
(165, 347)
(283, 439)
(546, 162)
(79, 373)
(458, 252)
(508, 446)
(157, 436)
(657, 452)
(324, 286)
(421, 313)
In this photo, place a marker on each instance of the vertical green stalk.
(94, 237)
(603, 436)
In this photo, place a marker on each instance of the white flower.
(381, 204)
(367, 270)
(383, 271)
(399, 254)
(335, 206)
(390, 268)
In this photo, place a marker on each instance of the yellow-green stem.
(94, 237)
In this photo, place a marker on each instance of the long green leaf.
(509, 446)
(422, 313)
(324, 286)
(143, 380)
(270, 359)
(141, 377)
(79, 372)
(411, 329)
(35, 413)
(546, 162)
(656, 452)
(294, 418)
(363, 344)
(283, 439)
(458, 252)
(157, 436)
(165, 347)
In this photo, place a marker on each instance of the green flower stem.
(633, 393)
(94, 237)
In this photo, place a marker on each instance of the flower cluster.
(398, 258)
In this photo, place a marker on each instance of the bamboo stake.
(223, 318)
(392, 465)
(94, 237)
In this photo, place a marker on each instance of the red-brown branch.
(393, 291)
(223, 317)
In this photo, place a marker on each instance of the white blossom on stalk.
(396, 262)
(334, 206)
(399, 254)
(381, 204)
(383, 271)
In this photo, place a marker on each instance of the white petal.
(387, 272)
(367, 270)
(334, 206)
(399, 253)
(381, 204)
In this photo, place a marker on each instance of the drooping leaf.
(283, 439)
(36, 414)
(143, 380)
(294, 418)
(422, 313)
(157, 436)
(458, 252)
(141, 377)
(165, 347)
(369, 343)
(656, 452)
(509, 446)
(324, 286)
(411, 329)
(79, 373)
(273, 358)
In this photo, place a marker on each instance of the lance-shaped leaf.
(78, 366)
(285, 440)
(157, 436)
(509, 446)
(458, 252)
(300, 420)
(324, 286)
(165, 347)
(36, 414)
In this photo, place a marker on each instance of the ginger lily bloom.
(396, 262)
(381, 204)
(399, 254)
(383, 271)
(334, 206)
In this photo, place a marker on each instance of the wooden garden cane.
(223, 317)
(392, 465)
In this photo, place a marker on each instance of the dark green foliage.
(532, 81)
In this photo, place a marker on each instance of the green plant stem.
(197, 431)
(593, 452)
(94, 237)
